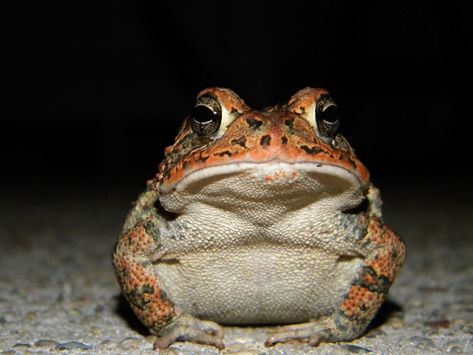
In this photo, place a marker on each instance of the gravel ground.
(58, 292)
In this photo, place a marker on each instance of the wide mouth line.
(230, 168)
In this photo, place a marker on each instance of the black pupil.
(330, 115)
(203, 114)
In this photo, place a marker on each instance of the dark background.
(92, 93)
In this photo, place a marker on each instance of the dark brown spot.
(362, 207)
(203, 159)
(290, 123)
(167, 215)
(352, 162)
(136, 296)
(265, 140)
(444, 323)
(254, 123)
(163, 295)
(240, 141)
(225, 152)
(379, 283)
(284, 140)
(311, 150)
(346, 258)
(172, 261)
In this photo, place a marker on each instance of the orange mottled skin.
(368, 293)
(139, 285)
(290, 136)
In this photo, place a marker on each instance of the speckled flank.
(370, 288)
(136, 278)
(388, 260)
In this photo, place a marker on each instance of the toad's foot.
(312, 333)
(188, 328)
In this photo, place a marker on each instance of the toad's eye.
(206, 116)
(327, 117)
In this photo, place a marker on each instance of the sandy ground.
(58, 292)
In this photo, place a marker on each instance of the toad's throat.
(264, 193)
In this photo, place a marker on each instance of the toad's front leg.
(133, 258)
(384, 255)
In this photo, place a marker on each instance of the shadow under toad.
(386, 311)
(123, 310)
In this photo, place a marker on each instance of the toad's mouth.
(272, 188)
(274, 174)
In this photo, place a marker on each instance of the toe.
(188, 328)
(310, 333)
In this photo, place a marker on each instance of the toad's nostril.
(265, 140)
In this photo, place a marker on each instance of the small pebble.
(96, 331)
(9, 317)
(452, 346)
(90, 319)
(242, 352)
(396, 323)
(422, 342)
(174, 352)
(455, 350)
(45, 343)
(353, 349)
(444, 323)
(22, 345)
(106, 344)
(130, 343)
(73, 312)
(99, 309)
(31, 315)
(73, 345)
